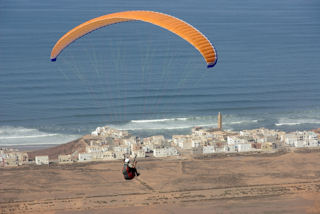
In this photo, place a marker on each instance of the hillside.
(63, 149)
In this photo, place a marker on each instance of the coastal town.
(106, 144)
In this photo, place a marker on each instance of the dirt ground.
(267, 183)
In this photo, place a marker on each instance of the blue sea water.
(139, 77)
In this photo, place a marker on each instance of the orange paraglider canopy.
(175, 25)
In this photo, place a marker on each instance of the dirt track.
(282, 183)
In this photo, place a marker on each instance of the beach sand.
(261, 183)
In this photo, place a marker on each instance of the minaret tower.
(219, 121)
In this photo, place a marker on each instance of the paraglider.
(129, 170)
(170, 23)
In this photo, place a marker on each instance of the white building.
(290, 139)
(97, 142)
(42, 160)
(109, 132)
(208, 149)
(221, 148)
(185, 144)
(196, 142)
(312, 139)
(84, 157)
(130, 141)
(235, 140)
(140, 153)
(199, 131)
(165, 152)
(177, 139)
(183, 141)
(244, 147)
(302, 139)
(12, 157)
(158, 140)
(122, 149)
(147, 148)
(299, 143)
(231, 148)
(97, 148)
(119, 155)
(65, 158)
(108, 155)
(97, 155)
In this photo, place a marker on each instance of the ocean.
(138, 77)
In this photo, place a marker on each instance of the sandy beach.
(282, 182)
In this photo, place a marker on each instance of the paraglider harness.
(129, 172)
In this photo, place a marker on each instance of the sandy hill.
(63, 149)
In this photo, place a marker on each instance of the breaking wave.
(15, 136)
(239, 122)
(167, 126)
(181, 123)
(296, 122)
(159, 120)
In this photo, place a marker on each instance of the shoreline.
(35, 147)
(29, 148)
(202, 141)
